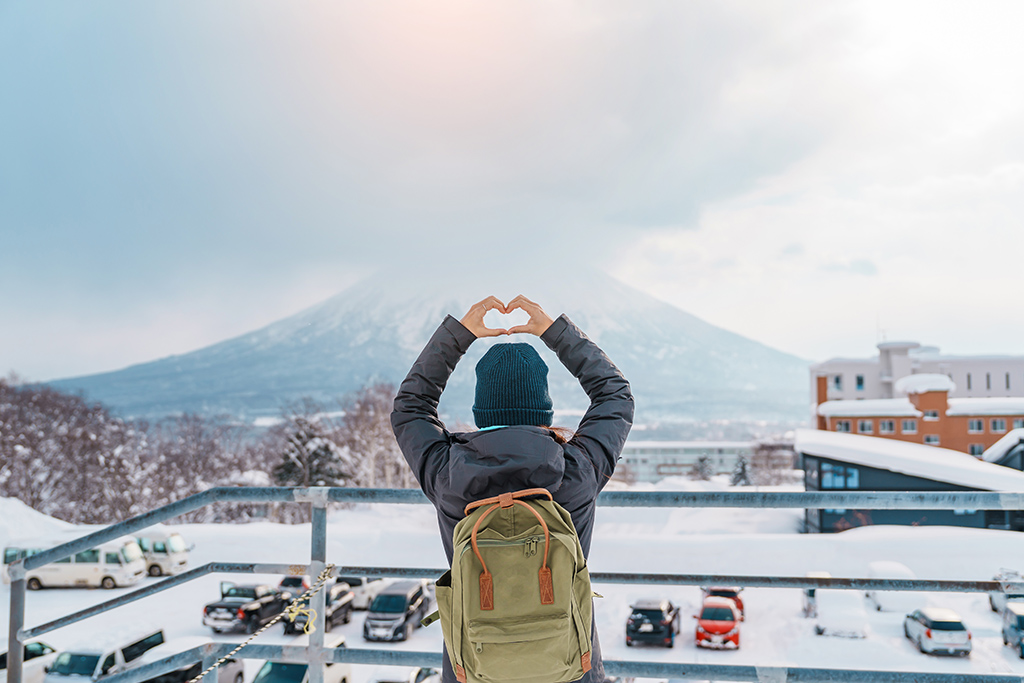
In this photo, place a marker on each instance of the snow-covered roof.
(871, 407)
(926, 381)
(995, 405)
(996, 451)
(916, 460)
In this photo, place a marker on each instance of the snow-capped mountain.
(680, 367)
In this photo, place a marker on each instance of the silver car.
(936, 629)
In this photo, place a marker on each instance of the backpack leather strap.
(547, 588)
(503, 499)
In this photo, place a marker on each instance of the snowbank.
(18, 520)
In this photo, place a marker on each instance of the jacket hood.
(519, 457)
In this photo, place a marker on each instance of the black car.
(245, 607)
(397, 610)
(337, 609)
(653, 621)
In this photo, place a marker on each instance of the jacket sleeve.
(421, 435)
(602, 431)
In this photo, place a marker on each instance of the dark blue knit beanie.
(512, 387)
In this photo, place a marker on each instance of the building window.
(976, 448)
(998, 425)
(860, 382)
(837, 382)
(976, 426)
(931, 416)
(988, 380)
(931, 439)
(968, 381)
(839, 477)
(1007, 380)
(866, 426)
(1018, 424)
(887, 426)
(909, 427)
(843, 426)
(963, 511)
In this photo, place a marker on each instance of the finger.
(489, 332)
(520, 329)
(493, 302)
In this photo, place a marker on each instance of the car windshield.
(68, 664)
(239, 592)
(716, 614)
(649, 614)
(279, 672)
(948, 626)
(176, 544)
(724, 593)
(351, 580)
(292, 582)
(131, 551)
(388, 603)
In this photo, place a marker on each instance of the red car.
(731, 592)
(718, 624)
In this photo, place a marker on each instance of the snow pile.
(18, 520)
(996, 451)
(926, 381)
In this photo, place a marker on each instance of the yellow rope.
(291, 612)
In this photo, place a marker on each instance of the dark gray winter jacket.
(454, 469)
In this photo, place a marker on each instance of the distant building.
(924, 413)
(849, 462)
(652, 461)
(868, 378)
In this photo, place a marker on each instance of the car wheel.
(629, 643)
(819, 630)
(155, 570)
(992, 604)
(671, 642)
(108, 583)
(1021, 651)
(239, 678)
(347, 617)
(1005, 641)
(906, 631)
(34, 584)
(920, 644)
(408, 630)
(217, 630)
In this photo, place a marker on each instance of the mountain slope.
(680, 367)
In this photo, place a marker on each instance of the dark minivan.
(396, 611)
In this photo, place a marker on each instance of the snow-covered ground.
(626, 539)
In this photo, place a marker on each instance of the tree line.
(75, 460)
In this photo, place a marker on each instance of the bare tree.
(366, 431)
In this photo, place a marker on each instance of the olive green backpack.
(516, 604)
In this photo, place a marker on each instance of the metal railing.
(319, 497)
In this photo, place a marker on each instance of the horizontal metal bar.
(672, 670)
(814, 500)
(818, 500)
(782, 674)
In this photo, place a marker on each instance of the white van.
(108, 565)
(292, 672)
(893, 601)
(37, 656)
(103, 655)
(231, 671)
(165, 551)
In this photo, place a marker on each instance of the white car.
(364, 589)
(841, 613)
(404, 674)
(892, 601)
(936, 629)
(38, 655)
(289, 672)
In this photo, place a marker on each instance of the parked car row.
(718, 622)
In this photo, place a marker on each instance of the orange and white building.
(924, 410)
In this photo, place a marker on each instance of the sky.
(816, 176)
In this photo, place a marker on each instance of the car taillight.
(968, 635)
(927, 633)
(206, 610)
(240, 613)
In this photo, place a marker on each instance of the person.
(515, 446)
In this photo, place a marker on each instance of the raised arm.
(603, 430)
(421, 435)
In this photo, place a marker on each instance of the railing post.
(15, 650)
(318, 560)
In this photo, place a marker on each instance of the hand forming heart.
(537, 324)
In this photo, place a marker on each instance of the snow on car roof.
(871, 407)
(940, 614)
(917, 460)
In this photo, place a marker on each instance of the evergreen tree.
(702, 469)
(740, 476)
(310, 458)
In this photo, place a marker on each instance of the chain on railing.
(315, 653)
